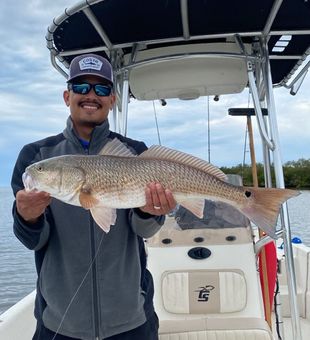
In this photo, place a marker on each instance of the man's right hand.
(31, 205)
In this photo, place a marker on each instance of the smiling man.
(89, 96)
(91, 285)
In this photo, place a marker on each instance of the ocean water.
(17, 269)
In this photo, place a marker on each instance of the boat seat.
(203, 291)
(211, 328)
(206, 284)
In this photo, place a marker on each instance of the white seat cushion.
(215, 329)
(204, 291)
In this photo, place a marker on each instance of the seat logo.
(204, 293)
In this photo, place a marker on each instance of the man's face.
(88, 109)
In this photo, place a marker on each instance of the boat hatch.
(199, 74)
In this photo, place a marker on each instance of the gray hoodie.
(91, 285)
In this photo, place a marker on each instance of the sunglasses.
(84, 88)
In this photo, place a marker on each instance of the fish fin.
(264, 208)
(116, 148)
(104, 217)
(87, 199)
(195, 206)
(162, 152)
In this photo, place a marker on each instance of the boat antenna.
(244, 149)
(245, 140)
(209, 138)
(156, 122)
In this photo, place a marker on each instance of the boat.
(207, 282)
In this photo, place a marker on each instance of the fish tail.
(264, 208)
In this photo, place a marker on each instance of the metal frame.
(260, 84)
(278, 169)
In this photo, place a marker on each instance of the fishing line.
(78, 289)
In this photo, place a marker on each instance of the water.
(299, 212)
(17, 270)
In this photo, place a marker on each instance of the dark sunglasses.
(84, 88)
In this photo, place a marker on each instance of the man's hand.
(158, 200)
(30, 205)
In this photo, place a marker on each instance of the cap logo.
(90, 63)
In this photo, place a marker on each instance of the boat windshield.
(215, 215)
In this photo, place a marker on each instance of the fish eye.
(40, 168)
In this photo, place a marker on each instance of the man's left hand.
(159, 201)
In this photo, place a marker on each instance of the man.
(91, 285)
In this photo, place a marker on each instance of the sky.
(32, 107)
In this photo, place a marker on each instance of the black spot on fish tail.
(248, 193)
(263, 208)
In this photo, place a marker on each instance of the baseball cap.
(90, 64)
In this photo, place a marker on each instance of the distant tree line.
(296, 174)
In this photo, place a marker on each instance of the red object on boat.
(271, 270)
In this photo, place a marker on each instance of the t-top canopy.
(108, 26)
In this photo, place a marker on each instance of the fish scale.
(179, 178)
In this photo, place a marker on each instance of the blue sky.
(32, 106)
